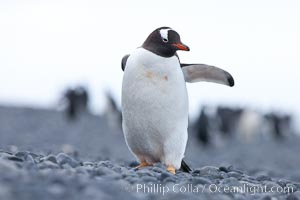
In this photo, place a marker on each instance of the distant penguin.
(228, 119)
(112, 112)
(250, 126)
(202, 128)
(76, 102)
(155, 100)
(71, 98)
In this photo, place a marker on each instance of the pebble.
(234, 174)
(263, 178)
(164, 175)
(283, 182)
(294, 196)
(6, 166)
(201, 181)
(292, 187)
(101, 171)
(63, 177)
(231, 181)
(47, 164)
(63, 159)
(208, 171)
(226, 168)
(51, 158)
(149, 179)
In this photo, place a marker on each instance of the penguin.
(155, 100)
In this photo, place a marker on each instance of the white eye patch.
(164, 34)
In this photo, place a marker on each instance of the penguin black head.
(164, 41)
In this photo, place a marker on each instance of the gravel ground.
(43, 156)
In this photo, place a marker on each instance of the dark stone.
(226, 168)
(15, 158)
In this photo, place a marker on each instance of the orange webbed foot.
(143, 164)
(171, 169)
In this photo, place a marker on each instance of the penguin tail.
(184, 167)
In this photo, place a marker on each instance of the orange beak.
(181, 46)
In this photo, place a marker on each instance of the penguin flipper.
(184, 167)
(202, 72)
(124, 60)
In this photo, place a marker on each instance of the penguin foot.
(143, 164)
(171, 169)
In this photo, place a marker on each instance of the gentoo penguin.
(155, 100)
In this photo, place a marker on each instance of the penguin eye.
(165, 40)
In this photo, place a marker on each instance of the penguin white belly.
(155, 108)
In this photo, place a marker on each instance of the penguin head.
(164, 41)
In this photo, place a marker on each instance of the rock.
(88, 164)
(105, 163)
(234, 174)
(239, 197)
(291, 187)
(200, 180)
(119, 169)
(101, 171)
(183, 175)
(63, 159)
(266, 197)
(164, 175)
(10, 156)
(283, 182)
(270, 184)
(4, 154)
(85, 169)
(294, 196)
(6, 166)
(169, 179)
(47, 164)
(249, 179)
(158, 169)
(263, 178)
(297, 184)
(231, 181)
(226, 168)
(22, 154)
(51, 158)
(209, 172)
(133, 164)
(149, 179)
(114, 176)
(144, 172)
(29, 159)
(132, 180)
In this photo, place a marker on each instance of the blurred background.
(61, 77)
